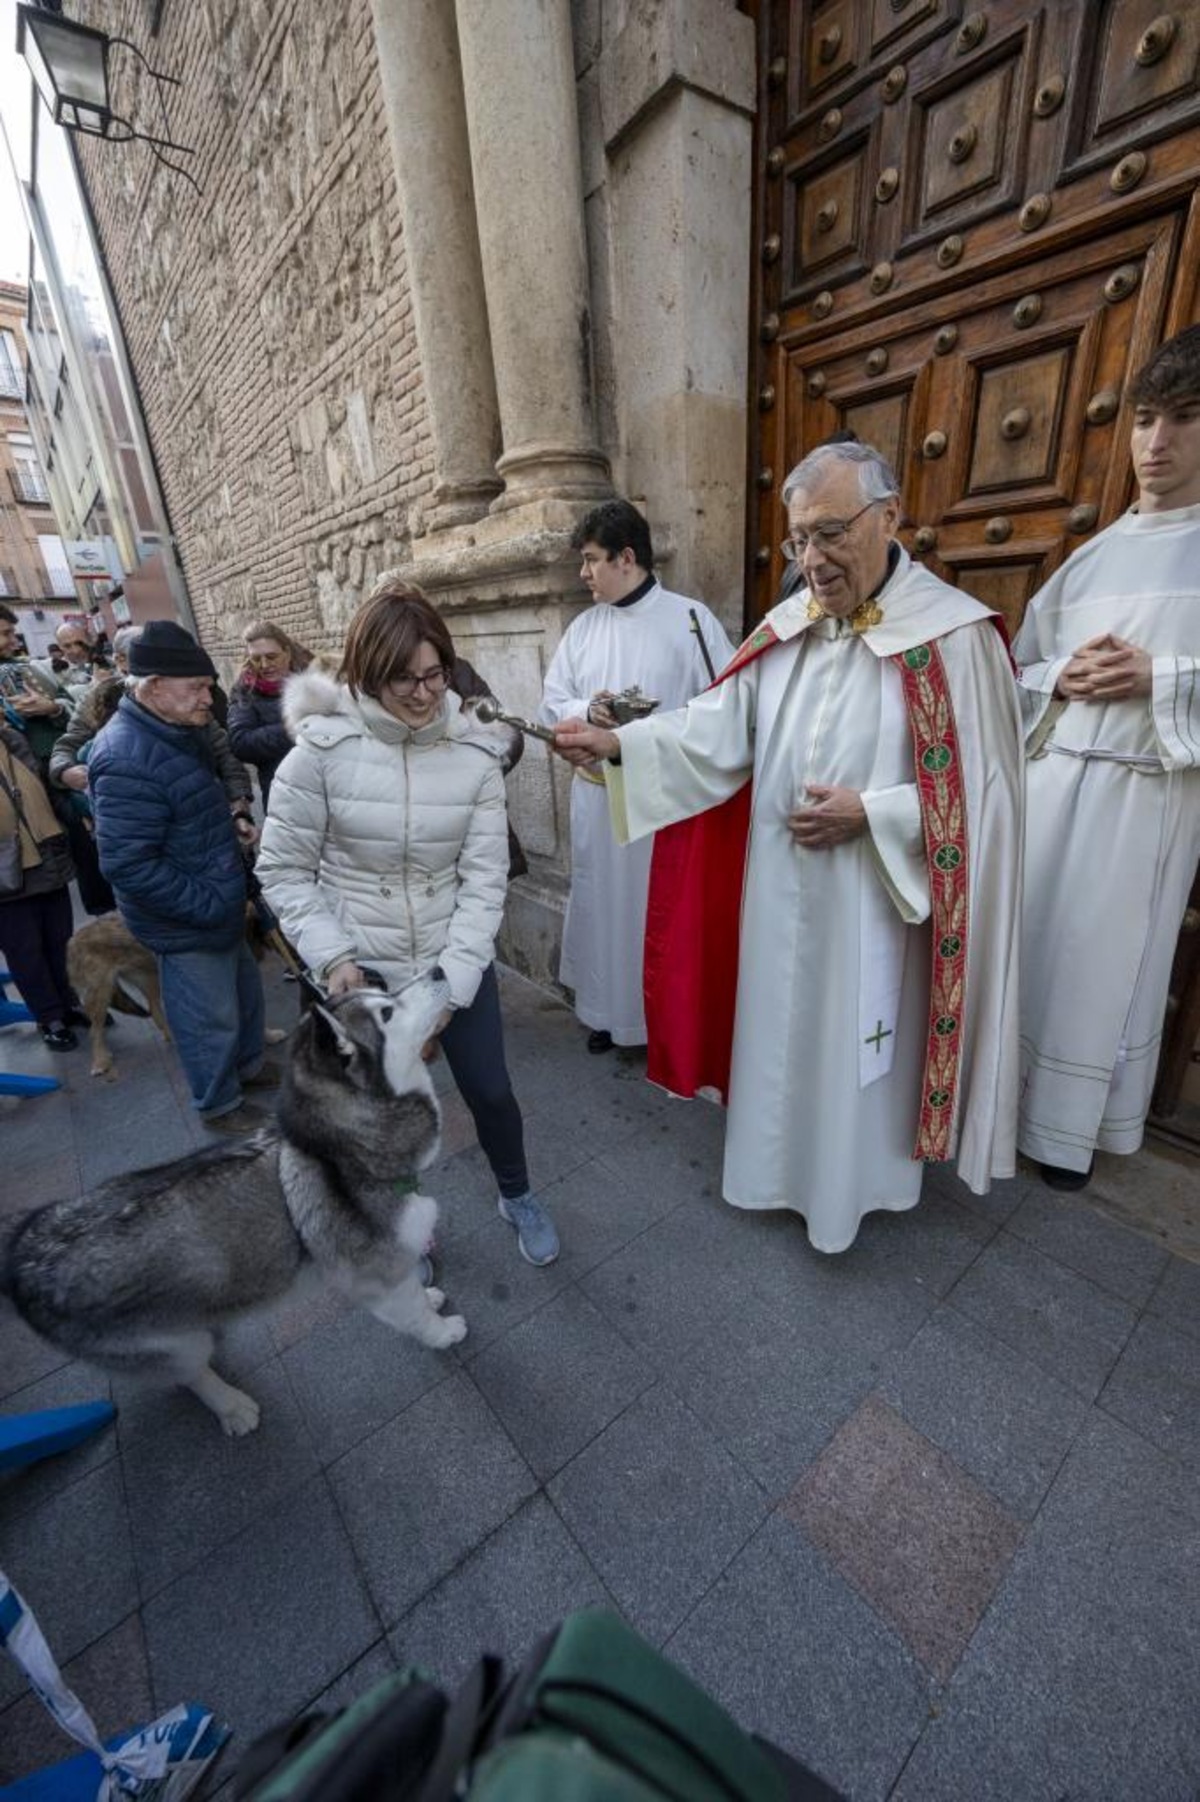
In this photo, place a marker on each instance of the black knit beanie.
(162, 648)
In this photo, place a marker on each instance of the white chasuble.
(1112, 836)
(804, 1131)
(834, 964)
(649, 642)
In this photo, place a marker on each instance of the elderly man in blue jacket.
(169, 846)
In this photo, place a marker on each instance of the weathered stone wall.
(575, 274)
(268, 322)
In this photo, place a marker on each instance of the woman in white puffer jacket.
(385, 847)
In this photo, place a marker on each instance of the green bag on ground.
(540, 1767)
(595, 1714)
(597, 1679)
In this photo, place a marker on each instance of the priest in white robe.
(1110, 682)
(637, 634)
(852, 792)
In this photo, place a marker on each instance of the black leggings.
(474, 1047)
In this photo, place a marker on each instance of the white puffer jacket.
(387, 845)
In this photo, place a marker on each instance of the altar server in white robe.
(1110, 682)
(638, 633)
(851, 793)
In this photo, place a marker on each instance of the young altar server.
(637, 634)
(1110, 684)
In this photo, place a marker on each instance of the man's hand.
(75, 777)
(599, 712)
(342, 979)
(1107, 669)
(835, 815)
(247, 831)
(30, 703)
(578, 742)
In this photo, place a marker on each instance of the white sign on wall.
(87, 559)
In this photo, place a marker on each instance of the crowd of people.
(894, 892)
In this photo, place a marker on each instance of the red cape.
(693, 931)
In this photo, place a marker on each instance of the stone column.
(423, 100)
(519, 81)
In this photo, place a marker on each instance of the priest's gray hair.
(876, 477)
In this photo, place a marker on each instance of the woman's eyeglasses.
(432, 681)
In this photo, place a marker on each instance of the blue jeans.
(213, 1001)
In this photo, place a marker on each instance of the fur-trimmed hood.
(320, 710)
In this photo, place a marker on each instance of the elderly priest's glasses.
(825, 534)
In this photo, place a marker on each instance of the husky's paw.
(450, 1329)
(240, 1415)
(436, 1298)
(107, 1071)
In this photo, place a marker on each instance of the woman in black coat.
(36, 920)
(255, 726)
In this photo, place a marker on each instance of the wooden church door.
(972, 223)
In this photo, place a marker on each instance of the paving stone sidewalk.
(927, 1514)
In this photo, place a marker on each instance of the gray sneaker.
(537, 1240)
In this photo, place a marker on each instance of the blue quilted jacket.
(166, 839)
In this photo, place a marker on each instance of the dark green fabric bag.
(594, 1715)
(597, 1678)
(381, 1745)
(540, 1767)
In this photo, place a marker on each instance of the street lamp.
(69, 65)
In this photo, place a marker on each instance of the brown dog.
(100, 956)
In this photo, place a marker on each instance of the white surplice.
(648, 642)
(1112, 836)
(826, 931)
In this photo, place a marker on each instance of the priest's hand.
(599, 712)
(580, 743)
(832, 816)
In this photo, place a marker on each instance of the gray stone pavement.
(927, 1514)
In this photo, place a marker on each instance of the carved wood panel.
(974, 222)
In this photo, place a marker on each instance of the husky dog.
(142, 1273)
(101, 957)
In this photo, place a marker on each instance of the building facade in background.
(35, 577)
(112, 554)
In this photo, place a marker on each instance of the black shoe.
(59, 1037)
(1067, 1181)
(599, 1041)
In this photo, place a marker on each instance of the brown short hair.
(385, 632)
(1171, 378)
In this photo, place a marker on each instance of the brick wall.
(268, 321)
